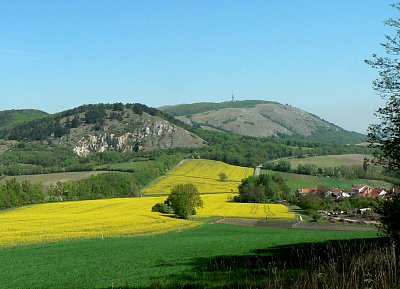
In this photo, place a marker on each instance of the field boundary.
(289, 224)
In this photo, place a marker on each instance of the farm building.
(362, 191)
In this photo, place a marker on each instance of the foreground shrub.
(162, 208)
(389, 211)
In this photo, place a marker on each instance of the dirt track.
(296, 224)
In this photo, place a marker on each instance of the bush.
(223, 177)
(162, 208)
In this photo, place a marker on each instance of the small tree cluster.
(223, 177)
(182, 201)
(263, 188)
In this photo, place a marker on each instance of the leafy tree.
(76, 121)
(184, 199)
(95, 114)
(390, 216)
(386, 134)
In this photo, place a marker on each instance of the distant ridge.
(194, 108)
(260, 118)
(12, 118)
(97, 128)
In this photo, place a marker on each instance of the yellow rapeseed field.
(203, 174)
(115, 217)
(221, 205)
(85, 219)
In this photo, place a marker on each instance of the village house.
(360, 191)
(377, 192)
(334, 193)
(355, 191)
(307, 191)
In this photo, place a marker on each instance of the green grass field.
(49, 179)
(163, 261)
(126, 166)
(330, 160)
(295, 181)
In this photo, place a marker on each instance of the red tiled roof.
(376, 192)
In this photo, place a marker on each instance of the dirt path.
(295, 224)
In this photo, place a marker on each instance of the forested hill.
(14, 117)
(102, 127)
(259, 118)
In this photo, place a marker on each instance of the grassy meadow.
(127, 166)
(51, 179)
(330, 160)
(203, 174)
(211, 255)
(295, 181)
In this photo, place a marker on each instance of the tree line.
(365, 171)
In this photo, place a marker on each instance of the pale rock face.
(155, 135)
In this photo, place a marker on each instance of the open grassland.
(203, 174)
(127, 166)
(331, 160)
(50, 179)
(220, 205)
(208, 256)
(115, 217)
(295, 181)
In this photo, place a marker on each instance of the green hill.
(12, 118)
(257, 118)
(103, 127)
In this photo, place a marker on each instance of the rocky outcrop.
(149, 136)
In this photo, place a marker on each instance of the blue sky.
(56, 55)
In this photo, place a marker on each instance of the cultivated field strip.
(115, 218)
(85, 219)
(203, 174)
(222, 206)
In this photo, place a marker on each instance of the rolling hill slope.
(11, 118)
(261, 119)
(104, 127)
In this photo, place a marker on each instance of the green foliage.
(313, 203)
(14, 194)
(389, 211)
(162, 208)
(343, 171)
(385, 135)
(262, 189)
(250, 151)
(95, 114)
(184, 199)
(12, 118)
(35, 158)
(108, 185)
(222, 177)
(296, 181)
